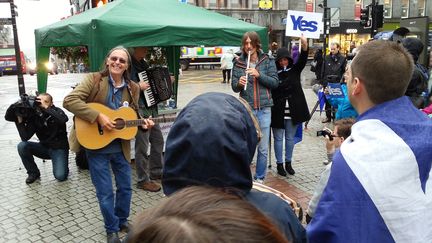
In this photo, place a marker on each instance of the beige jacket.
(94, 88)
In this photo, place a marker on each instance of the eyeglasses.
(121, 60)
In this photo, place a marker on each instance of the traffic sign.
(334, 17)
(5, 21)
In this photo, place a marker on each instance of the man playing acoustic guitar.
(112, 88)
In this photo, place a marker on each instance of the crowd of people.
(374, 186)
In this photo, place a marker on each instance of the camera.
(325, 132)
(27, 106)
(29, 100)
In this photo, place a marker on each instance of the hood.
(281, 53)
(212, 142)
(414, 46)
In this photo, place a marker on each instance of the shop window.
(421, 4)
(404, 8)
(212, 4)
(255, 4)
(235, 4)
(240, 4)
(281, 4)
(202, 3)
(244, 4)
(387, 8)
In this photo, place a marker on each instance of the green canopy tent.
(164, 23)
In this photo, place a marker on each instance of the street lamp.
(12, 20)
(323, 5)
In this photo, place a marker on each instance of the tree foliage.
(72, 54)
(156, 56)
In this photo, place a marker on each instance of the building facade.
(272, 14)
(348, 34)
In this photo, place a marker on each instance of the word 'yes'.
(335, 91)
(303, 25)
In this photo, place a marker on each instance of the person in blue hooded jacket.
(212, 142)
(344, 107)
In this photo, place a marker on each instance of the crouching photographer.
(334, 139)
(38, 115)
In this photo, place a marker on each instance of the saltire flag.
(298, 137)
(335, 90)
(379, 189)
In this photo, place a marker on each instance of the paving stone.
(52, 211)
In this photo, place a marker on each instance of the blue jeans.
(264, 119)
(278, 135)
(148, 166)
(59, 158)
(114, 209)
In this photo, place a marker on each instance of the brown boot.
(150, 186)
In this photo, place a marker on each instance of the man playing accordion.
(148, 167)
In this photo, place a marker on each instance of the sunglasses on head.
(121, 60)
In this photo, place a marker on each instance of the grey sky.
(32, 15)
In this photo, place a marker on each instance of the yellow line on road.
(204, 80)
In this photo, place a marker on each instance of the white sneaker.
(260, 181)
(326, 162)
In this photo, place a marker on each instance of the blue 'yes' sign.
(303, 25)
(307, 23)
(335, 90)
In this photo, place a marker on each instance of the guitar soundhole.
(120, 123)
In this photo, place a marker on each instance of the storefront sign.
(334, 17)
(357, 13)
(309, 7)
(351, 31)
(308, 24)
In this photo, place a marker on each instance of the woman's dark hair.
(204, 215)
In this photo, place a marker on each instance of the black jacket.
(289, 89)
(318, 57)
(49, 126)
(334, 68)
(418, 82)
(212, 142)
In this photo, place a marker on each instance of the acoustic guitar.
(93, 136)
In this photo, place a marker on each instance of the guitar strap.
(133, 100)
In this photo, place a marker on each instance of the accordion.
(160, 85)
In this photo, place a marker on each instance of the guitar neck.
(139, 122)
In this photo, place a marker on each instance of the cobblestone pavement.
(51, 211)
